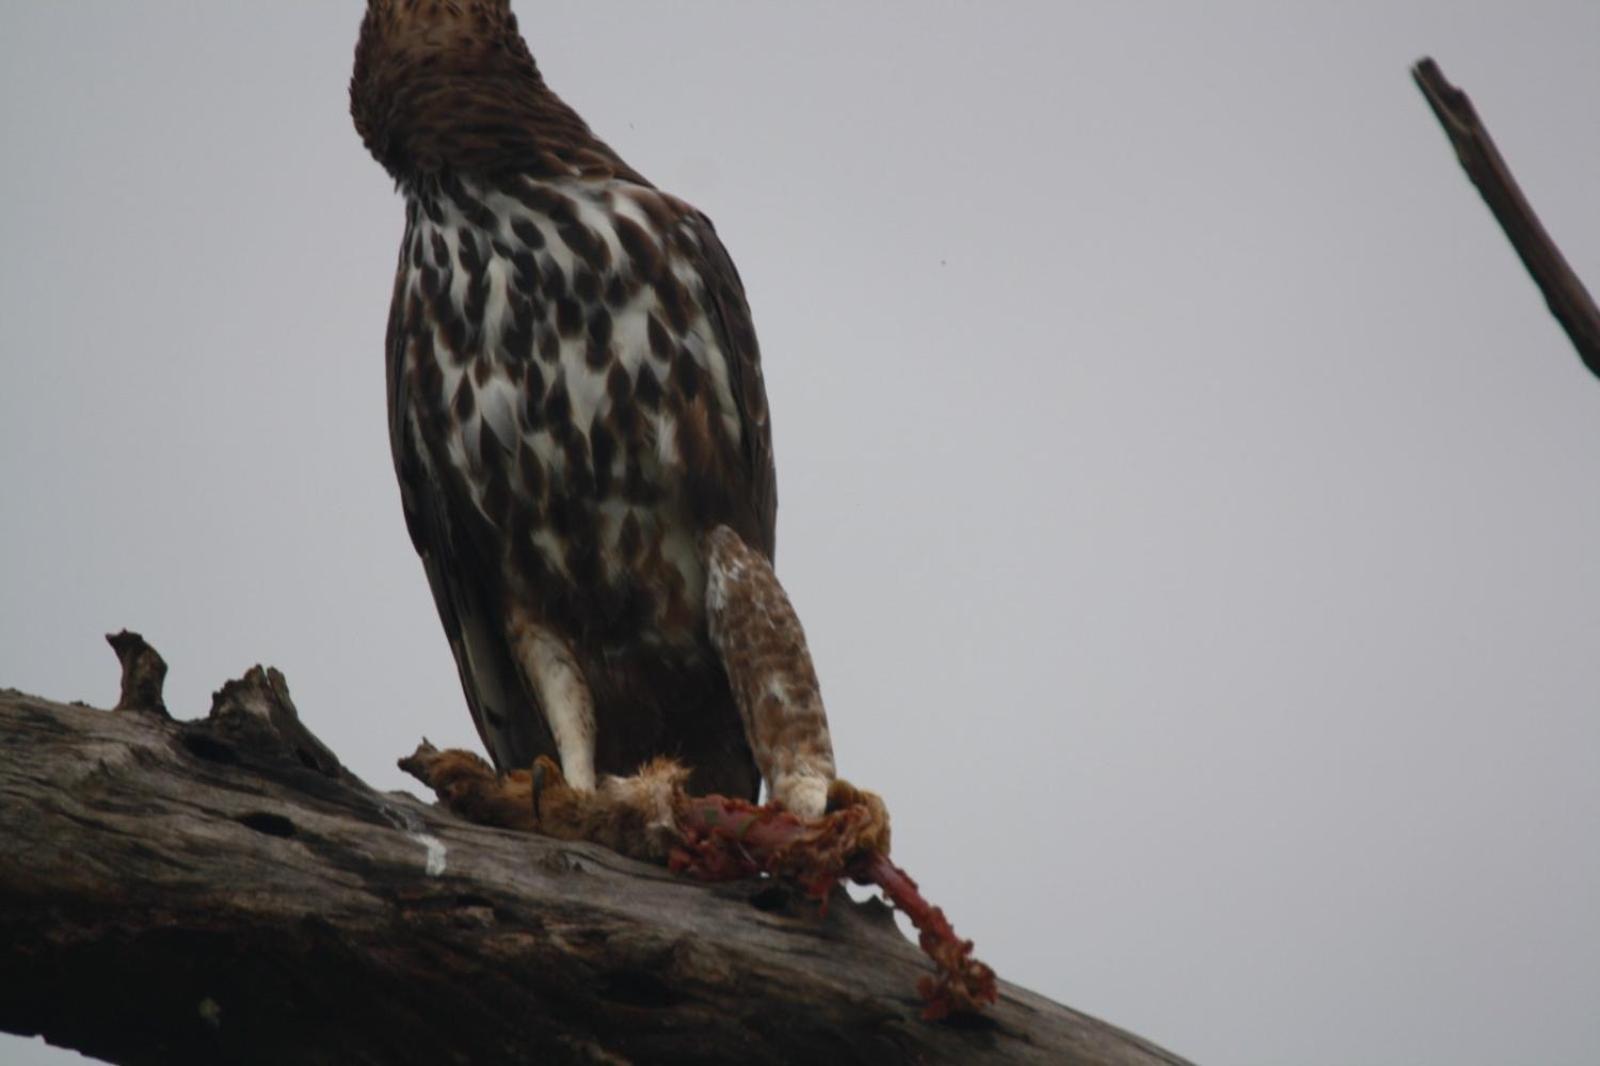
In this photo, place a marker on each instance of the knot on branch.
(256, 712)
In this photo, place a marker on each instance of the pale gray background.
(1190, 501)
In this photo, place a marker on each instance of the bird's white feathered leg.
(558, 685)
(763, 649)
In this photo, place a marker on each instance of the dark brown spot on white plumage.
(491, 449)
(598, 349)
(603, 447)
(694, 445)
(422, 348)
(619, 386)
(663, 218)
(616, 291)
(543, 200)
(585, 284)
(467, 249)
(662, 345)
(518, 339)
(549, 345)
(475, 210)
(525, 277)
(686, 376)
(529, 234)
(477, 298)
(465, 401)
(674, 299)
(569, 316)
(578, 471)
(627, 418)
(555, 279)
(643, 252)
(430, 282)
(436, 287)
(557, 404)
(533, 401)
(646, 389)
(586, 245)
(455, 336)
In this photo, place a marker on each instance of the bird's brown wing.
(755, 512)
(455, 565)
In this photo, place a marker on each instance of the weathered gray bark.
(224, 891)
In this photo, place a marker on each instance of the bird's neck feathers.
(449, 87)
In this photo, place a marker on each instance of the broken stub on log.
(717, 838)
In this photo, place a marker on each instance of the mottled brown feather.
(447, 97)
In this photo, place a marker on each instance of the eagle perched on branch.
(575, 407)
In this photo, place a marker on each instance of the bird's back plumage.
(575, 397)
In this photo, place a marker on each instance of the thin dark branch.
(1569, 301)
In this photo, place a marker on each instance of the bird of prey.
(575, 405)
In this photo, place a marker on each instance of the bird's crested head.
(450, 85)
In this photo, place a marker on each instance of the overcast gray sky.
(1190, 501)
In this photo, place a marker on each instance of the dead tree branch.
(1569, 301)
(224, 891)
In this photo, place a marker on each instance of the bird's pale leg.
(558, 684)
(763, 650)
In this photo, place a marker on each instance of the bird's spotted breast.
(560, 360)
